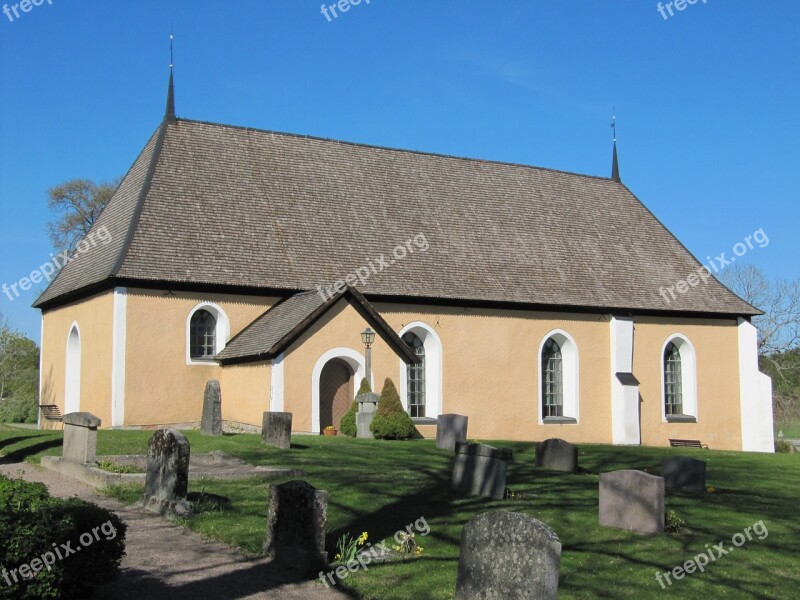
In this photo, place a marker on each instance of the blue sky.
(707, 100)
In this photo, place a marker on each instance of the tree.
(77, 204)
(19, 376)
(778, 331)
(391, 421)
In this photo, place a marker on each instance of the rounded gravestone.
(167, 473)
(557, 455)
(684, 473)
(507, 555)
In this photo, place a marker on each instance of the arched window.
(552, 380)
(673, 381)
(415, 376)
(679, 380)
(202, 335)
(558, 379)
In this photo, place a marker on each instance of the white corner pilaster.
(755, 394)
(625, 428)
(276, 385)
(118, 357)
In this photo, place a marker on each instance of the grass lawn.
(381, 487)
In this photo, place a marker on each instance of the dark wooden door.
(335, 392)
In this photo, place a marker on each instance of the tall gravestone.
(507, 555)
(480, 470)
(451, 429)
(557, 455)
(211, 423)
(276, 430)
(80, 437)
(296, 523)
(167, 481)
(367, 405)
(684, 473)
(632, 500)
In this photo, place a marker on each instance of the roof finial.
(170, 114)
(615, 162)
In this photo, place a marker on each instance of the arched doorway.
(335, 392)
(72, 384)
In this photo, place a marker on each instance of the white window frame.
(433, 369)
(571, 380)
(688, 378)
(221, 333)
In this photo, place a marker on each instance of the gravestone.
(480, 470)
(507, 555)
(296, 524)
(557, 455)
(276, 430)
(212, 409)
(450, 429)
(684, 473)
(632, 500)
(80, 437)
(367, 405)
(167, 473)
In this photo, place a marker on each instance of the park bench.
(687, 444)
(51, 413)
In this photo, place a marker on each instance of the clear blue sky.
(707, 100)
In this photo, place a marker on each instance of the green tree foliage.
(19, 377)
(391, 421)
(348, 424)
(77, 204)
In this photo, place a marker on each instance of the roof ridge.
(394, 149)
(161, 132)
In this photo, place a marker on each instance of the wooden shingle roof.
(242, 209)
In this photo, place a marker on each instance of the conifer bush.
(391, 421)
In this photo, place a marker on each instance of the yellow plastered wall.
(94, 317)
(160, 388)
(490, 367)
(715, 342)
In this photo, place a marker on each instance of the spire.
(170, 114)
(615, 161)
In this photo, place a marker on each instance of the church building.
(531, 300)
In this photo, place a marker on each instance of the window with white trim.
(416, 377)
(558, 378)
(207, 332)
(679, 380)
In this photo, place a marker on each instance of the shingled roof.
(228, 208)
(275, 330)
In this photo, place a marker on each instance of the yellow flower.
(711, 490)
(363, 538)
(338, 556)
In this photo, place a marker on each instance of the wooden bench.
(687, 444)
(51, 413)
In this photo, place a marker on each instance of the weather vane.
(614, 123)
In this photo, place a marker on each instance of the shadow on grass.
(21, 454)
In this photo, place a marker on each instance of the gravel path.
(170, 562)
